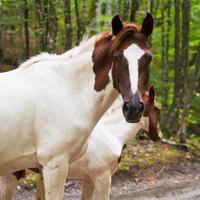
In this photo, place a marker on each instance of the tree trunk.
(77, 22)
(114, 8)
(185, 42)
(119, 8)
(68, 24)
(108, 12)
(134, 8)
(125, 10)
(165, 55)
(1, 44)
(163, 49)
(84, 11)
(94, 8)
(52, 26)
(151, 6)
(171, 123)
(182, 133)
(42, 14)
(41, 25)
(103, 6)
(46, 22)
(26, 30)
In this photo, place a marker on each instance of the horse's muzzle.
(133, 111)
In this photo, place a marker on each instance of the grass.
(145, 154)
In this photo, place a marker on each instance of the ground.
(169, 174)
(178, 181)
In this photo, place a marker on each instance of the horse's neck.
(83, 55)
(80, 71)
(119, 128)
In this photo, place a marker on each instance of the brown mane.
(102, 60)
(129, 30)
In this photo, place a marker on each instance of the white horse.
(103, 152)
(49, 108)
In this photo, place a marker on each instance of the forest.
(28, 27)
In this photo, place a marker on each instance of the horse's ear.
(152, 94)
(147, 25)
(117, 25)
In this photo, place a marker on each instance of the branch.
(181, 146)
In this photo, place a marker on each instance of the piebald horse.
(49, 108)
(105, 145)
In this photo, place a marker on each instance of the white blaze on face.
(133, 53)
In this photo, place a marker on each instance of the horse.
(49, 108)
(105, 145)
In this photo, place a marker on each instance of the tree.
(26, 29)
(165, 42)
(134, 7)
(40, 14)
(171, 122)
(78, 22)
(1, 45)
(52, 26)
(68, 24)
(184, 71)
(126, 10)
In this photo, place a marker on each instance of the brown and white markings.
(129, 56)
(58, 100)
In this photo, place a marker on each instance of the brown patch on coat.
(102, 61)
(121, 77)
(144, 71)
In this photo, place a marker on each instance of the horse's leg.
(87, 189)
(102, 186)
(40, 188)
(8, 185)
(54, 175)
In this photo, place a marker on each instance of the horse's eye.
(116, 58)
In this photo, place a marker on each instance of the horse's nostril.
(126, 107)
(140, 107)
(133, 109)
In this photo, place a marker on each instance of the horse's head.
(127, 54)
(131, 59)
(152, 113)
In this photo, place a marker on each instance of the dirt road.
(173, 182)
(184, 191)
